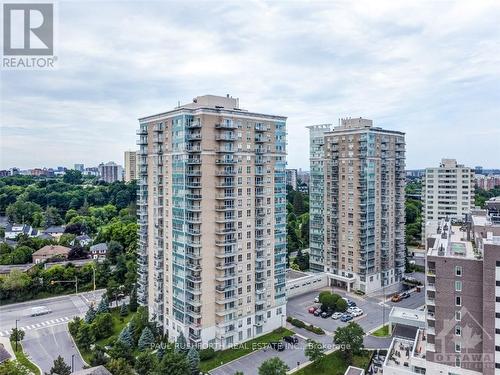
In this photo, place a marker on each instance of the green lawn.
(382, 331)
(118, 325)
(334, 364)
(22, 359)
(225, 356)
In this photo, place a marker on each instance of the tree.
(350, 338)
(181, 345)
(17, 335)
(146, 363)
(114, 250)
(193, 359)
(73, 177)
(103, 306)
(13, 368)
(60, 367)
(314, 351)
(146, 340)
(133, 300)
(51, 217)
(123, 310)
(119, 366)
(74, 325)
(328, 301)
(77, 252)
(90, 314)
(102, 325)
(85, 338)
(98, 356)
(121, 350)
(341, 305)
(273, 366)
(22, 211)
(126, 337)
(174, 363)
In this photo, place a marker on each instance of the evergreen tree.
(133, 305)
(90, 314)
(84, 338)
(146, 363)
(181, 344)
(60, 367)
(123, 310)
(193, 359)
(98, 357)
(125, 337)
(103, 306)
(146, 339)
(174, 363)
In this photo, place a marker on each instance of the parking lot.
(373, 309)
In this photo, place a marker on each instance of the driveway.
(249, 365)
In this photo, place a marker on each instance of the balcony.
(431, 315)
(225, 137)
(225, 173)
(225, 311)
(226, 125)
(225, 276)
(225, 265)
(260, 128)
(225, 253)
(225, 288)
(225, 196)
(142, 141)
(193, 148)
(431, 287)
(225, 184)
(142, 131)
(227, 150)
(193, 196)
(225, 161)
(225, 242)
(260, 139)
(193, 173)
(193, 161)
(194, 137)
(260, 150)
(225, 207)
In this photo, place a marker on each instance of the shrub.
(206, 354)
(298, 323)
(289, 319)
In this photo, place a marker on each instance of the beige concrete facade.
(212, 211)
(359, 170)
(131, 166)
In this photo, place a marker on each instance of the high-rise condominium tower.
(357, 203)
(130, 173)
(212, 214)
(448, 191)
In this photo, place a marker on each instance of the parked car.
(396, 298)
(318, 312)
(346, 317)
(316, 299)
(326, 314)
(312, 309)
(353, 309)
(405, 295)
(351, 303)
(291, 339)
(336, 315)
(356, 313)
(278, 345)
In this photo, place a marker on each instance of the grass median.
(23, 359)
(381, 332)
(335, 364)
(224, 356)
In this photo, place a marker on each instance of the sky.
(428, 68)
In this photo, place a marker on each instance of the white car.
(354, 309)
(316, 300)
(356, 313)
(336, 315)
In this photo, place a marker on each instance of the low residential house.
(50, 251)
(13, 230)
(54, 231)
(99, 251)
(82, 240)
(45, 236)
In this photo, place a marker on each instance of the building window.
(458, 270)
(457, 361)
(497, 315)
(458, 330)
(458, 316)
(458, 301)
(458, 347)
(458, 286)
(497, 348)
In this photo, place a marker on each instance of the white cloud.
(428, 68)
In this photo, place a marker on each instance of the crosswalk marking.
(34, 326)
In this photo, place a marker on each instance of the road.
(47, 336)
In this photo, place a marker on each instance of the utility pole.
(93, 271)
(17, 333)
(72, 363)
(67, 281)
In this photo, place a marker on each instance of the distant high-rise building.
(91, 171)
(212, 217)
(303, 176)
(478, 169)
(447, 191)
(291, 178)
(356, 200)
(487, 182)
(79, 167)
(110, 172)
(130, 166)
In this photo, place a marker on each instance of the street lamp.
(72, 362)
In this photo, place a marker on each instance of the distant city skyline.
(434, 76)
